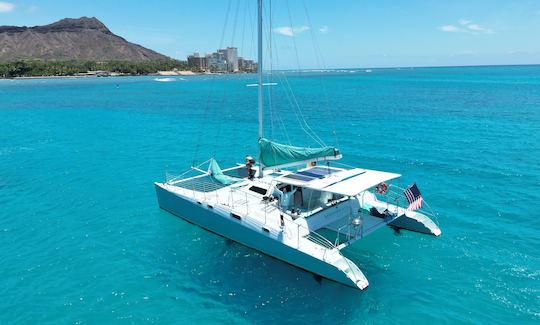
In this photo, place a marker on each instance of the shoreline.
(191, 73)
(158, 74)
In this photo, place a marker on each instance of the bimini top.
(274, 154)
(337, 180)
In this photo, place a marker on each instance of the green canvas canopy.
(277, 154)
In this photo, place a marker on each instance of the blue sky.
(346, 34)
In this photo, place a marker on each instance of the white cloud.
(300, 29)
(287, 31)
(323, 29)
(449, 28)
(466, 26)
(480, 29)
(291, 31)
(6, 6)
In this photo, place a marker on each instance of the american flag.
(413, 195)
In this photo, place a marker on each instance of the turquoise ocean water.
(82, 239)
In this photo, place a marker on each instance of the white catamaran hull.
(219, 220)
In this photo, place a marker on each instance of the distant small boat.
(264, 84)
(164, 79)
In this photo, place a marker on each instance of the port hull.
(220, 222)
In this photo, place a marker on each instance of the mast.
(260, 83)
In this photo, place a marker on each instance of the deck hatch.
(259, 190)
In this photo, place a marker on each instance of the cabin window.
(258, 190)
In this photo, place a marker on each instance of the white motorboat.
(296, 204)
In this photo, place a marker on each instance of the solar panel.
(322, 171)
(299, 177)
(310, 174)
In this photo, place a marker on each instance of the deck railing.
(395, 195)
(317, 238)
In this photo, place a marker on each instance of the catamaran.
(296, 203)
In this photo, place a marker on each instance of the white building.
(231, 56)
(223, 60)
(216, 62)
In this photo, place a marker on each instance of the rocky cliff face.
(70, 39)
